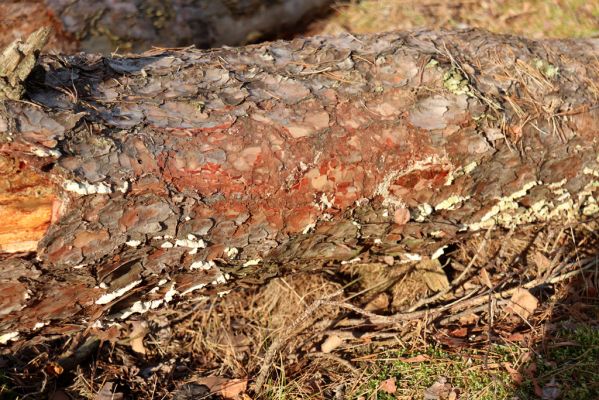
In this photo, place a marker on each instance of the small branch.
(336, 359)
(475, 302)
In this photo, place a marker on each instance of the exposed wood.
(184, 171)
(17, 61)
(137, 25)
(26, 202)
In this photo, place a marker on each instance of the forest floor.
(518, 317)
(529, 18)
(501, 315)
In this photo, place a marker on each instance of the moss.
(466, 372)
(571, 362)
(548, 70)
(198, 104)
(456, 83)
(432, 63)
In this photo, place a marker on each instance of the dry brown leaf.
(484, 276)
(380, 302)
(331, 343)
(111, 334)
(517, 337)
(550, 390)
(531, 373)
(469, 319)
(415, 359)
(542, 262)
(514, 373)
(138, 333)
(53, 369)
(459, 332)
(225, 387)
(523, 303)
(433, 275)
(388, 386)
(439, 390)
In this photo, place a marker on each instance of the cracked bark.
(137, 25)
(132, 182)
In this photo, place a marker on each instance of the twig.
(385, 319)
(482, 299)
(470, 311)
(337, 359)
(491, 319)
(353, 335)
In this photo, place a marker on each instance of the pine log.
(132, 182)
(136, 25)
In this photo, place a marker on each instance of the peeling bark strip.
(147, 178)
(137, 25)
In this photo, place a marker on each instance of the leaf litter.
(223, 345)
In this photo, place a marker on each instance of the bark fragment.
(17, 61)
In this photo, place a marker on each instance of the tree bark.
(129, 182)
(136, 25)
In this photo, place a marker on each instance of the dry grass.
(531, 18)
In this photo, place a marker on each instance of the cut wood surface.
(129, 183)
(137, 25)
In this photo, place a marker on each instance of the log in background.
(131, 181)
(136, 25)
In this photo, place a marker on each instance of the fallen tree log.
(137, 25)
(131, 182)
